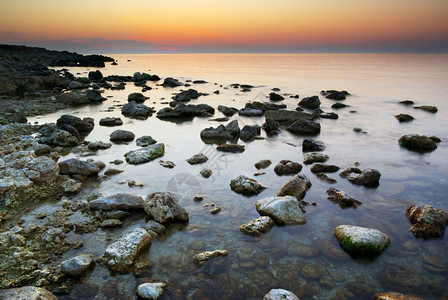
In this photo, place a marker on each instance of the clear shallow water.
(284, 256)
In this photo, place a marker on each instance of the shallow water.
(305, 259)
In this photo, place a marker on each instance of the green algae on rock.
(145, 154)
(360, 240)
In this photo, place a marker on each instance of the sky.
(235, 26)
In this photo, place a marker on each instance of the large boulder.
(304, 127)
(310, 102)
(296, 186)
(257, 226)
(427, 222)
(283, 210)
(74, 166)
(280, 294)
(151, 291)
(136, 111)
(145, 154)
(360, 240)
(95, 76)
(219, 134)
(164, 207)
(120, 255)
(77, 265)
(27, 293)
(119, 201)
(368, 177)
(417, 142)
(246, 186)
(119, 136)
(83, 126)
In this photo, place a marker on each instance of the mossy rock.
(360, 240)
(146, 154)
(417, 142)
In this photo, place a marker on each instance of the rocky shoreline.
(32, 171)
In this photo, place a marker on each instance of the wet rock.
(197, 159)
(145, 141)
(117, 214)
(83, 126)
(233, 148)
(122, 136)
(167, 164)
(335, 95)
(73, 85)
(119, 201)
(341, 198)
(318, 168)
(246, 186)
(263, 164)
(155, 226)
(27, 293)
(406, 102)
(164, 207)
(280, 294)
(287, 116)
(417, 142)
(71, 186)
(338, 105)
(109, 223)
(264, 106)
(283, 210)
(324, 177)
(98, 145)
(393, 295)
(202, 258)
(110, 121)
(249, 132)
(233, 128)
(287, 167)
(120, 255)
(304, 127)
(187, 95)
(77, 265)
(136, 111)
(72, 130)
(360, 240)
(435, 139)
(296, 186)
(95, 96)
(428, 108)
(275, 97)
(215, 210)
(206, 173)
(145, 154)
(250, 112)
(74, 166)
(171, 82)
(219, 133)
(349, 170)
(270, 126)
(313, 157)
(152, 291)
(426, 221)
(42, 169)
(404, 118)
(227, 111)
(95, 76)
(368, 177)
(310, 102)
(137, 97)
(257, 226)
(309, 145)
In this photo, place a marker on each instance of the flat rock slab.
(283, 210)
(74, 166)
(360, 240)
(145, 154)
(118, 201)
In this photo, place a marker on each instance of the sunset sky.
(180, 26)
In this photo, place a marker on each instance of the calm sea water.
(305, 259)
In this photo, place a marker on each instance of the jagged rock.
(202, 258)
(313, 157)
(27, 293)
(427, 222)
(324, 177)
(83, 126)
(137, 97)
(151, 291)
(287, 167)
(74, 166)
(275, 97)
(246, 186)
(250, 112)
(304, 127)
(145, 141)
(233, 148)
(233, 128)
(164, 207)
(120, 255)
(257, 226)
(136, 111)
(310, 102)
(417, 142)
(318, 168)
(283, 210)
(109, 223)
(227, 111)
(330, 115)
(393, 296)
(43, 170)
(95, 96)
(249, 132)
(264, 106)
(77, 265)
(368, 177)
(145, 154)
(119, 201)
(296, 186)
(280, 294)
(219, 133)
(197, 159)
(263, 164)
(404, 118)
(108, 121)
(342, 198)
(122, 136)
(360, 240)
(428, 108)
(187, 95)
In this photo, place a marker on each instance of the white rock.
(283, 210)
(280, 294)
(151, 291)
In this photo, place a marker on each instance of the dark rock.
(187, 95)
(407, 102)
(53, 136)
(246, 186)
(428, 108)
(164, 207)
(227, 111)
(206, 173)
(368, 177)
(310, 102)
(233, 148)
(339, 105)
(197, 159)
(137, 97)
(111, 121)
(257, 226)
(296, 186)
(145, 141)
(341, 198)
(263, 164)
(270, 126)
(98, 145)
(167, 164)
(145, 154)
(317, 168)
(287, 167)
(309, 158)
(82, 126)
(225, 119)
(427, 222)
(304, 127)
(136, 111)
(122, 136)
(335, 95)
(219, 134)
(95, 76)
(330, 115)
(94, 96)
(185, 111)
(199, 81)
(171, 82)
(151, 77)
(309, 145)
(417, 142)
(275, 97)
(404, 118)
(250, 112)
(349, 170)
(287, 116)
(264, 106)
(324, 177)
(435, 139)
(74, 166)
(20, 118)
(74, 85)
(249, 132)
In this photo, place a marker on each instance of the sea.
(304, 259)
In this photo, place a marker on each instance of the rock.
(171, 82)
(435, 139)
(338, 105)
(349, 170)
(426, 221)
(275, 97)
(330, 115)
(287, 116)
(250, 112)
(167, 164)
(120, 255)
(246, 186)
(233, 128)
(98, 145)
(406, 102)
(145, 141)
(360, 240)
(182, 111)
(164, 207)
(187, 95)
(119, 201)
(95, 96)
(257, 226)
(227, 111)
(270, 126)
(43, 170)
(311, 272)
(95, 76)
(145, 154)
(197, 159)
(263, 164)
(248, 133)
(357, 129)
(155, 226)
(73, 85)
(428, 108)
(342, 198)
(20, 118)
(117, 214)
(83, 126)
(283, 210)
(27, 293)
(219, 133)
(417, 142)
(404, 118)
(324, 177)
(393, 295)
(368, 177)
(77, 265)
(71, 186)
(318, 168)
(335, 95)
(224, 119)
(215, 210)
(136, 111)
(280, 294)
(109, 223)
(233, 148)
(152, 291)
(137, 97)
(313, 157)
(309, 145)
(122, 136)
(264, 106)
(72, 130)
(296, 186)
(310, 102)
(206, 173)
(202, 258)
(108, 121)
(72, 98)
(74, 166)
(287, 167)
(304, 127)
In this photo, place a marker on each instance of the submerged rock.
(164, 207)
(197, 159)
(119, 201)
(349, 170)
(313, 157)
(145, 154)
(283, 210)
(404, 118)
(360, 240)
(137, 97)
(280, 294)
(394, 296)
(27, 293)
(75, 166)
(77, 265)
(296, 186)
(368, 177)
(275, 97)
(171, 82)
(428, 108)
(233, 148)
(427, 222)
(407, 102)
(227, 111)
(342, 198)
(339, 105)
(417, 142)
(151, 291)
(246, 186)
(202, 258)
(287, 167)
(257, 226)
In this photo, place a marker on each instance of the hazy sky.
(147, 26)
